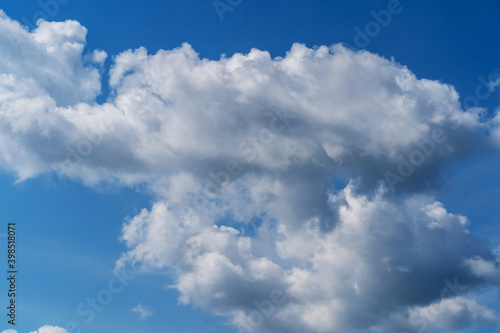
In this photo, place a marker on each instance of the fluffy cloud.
(49, 61)
(381, 258)
(44, 329)
(447, 314)
(329, 109)
(50, 329)
(242, 154)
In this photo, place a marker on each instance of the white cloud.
(143, 311)
(487, 269)
(43, 329)
(350, 114)
(49, 60)
(445, 315)
(278, 246)
(50, 329)
(382, 257)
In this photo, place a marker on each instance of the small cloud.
(143, 311)
(48, 329)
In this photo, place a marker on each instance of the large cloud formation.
(248, 157)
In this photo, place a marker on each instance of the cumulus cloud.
(48, 60)
(50, 329)
(44, 329)
(326, 109)
(381, 257)
(447, 314)
(241, 154)
(143, 311)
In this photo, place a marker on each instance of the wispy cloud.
(143, 311)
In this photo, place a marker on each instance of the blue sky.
(74, 228)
